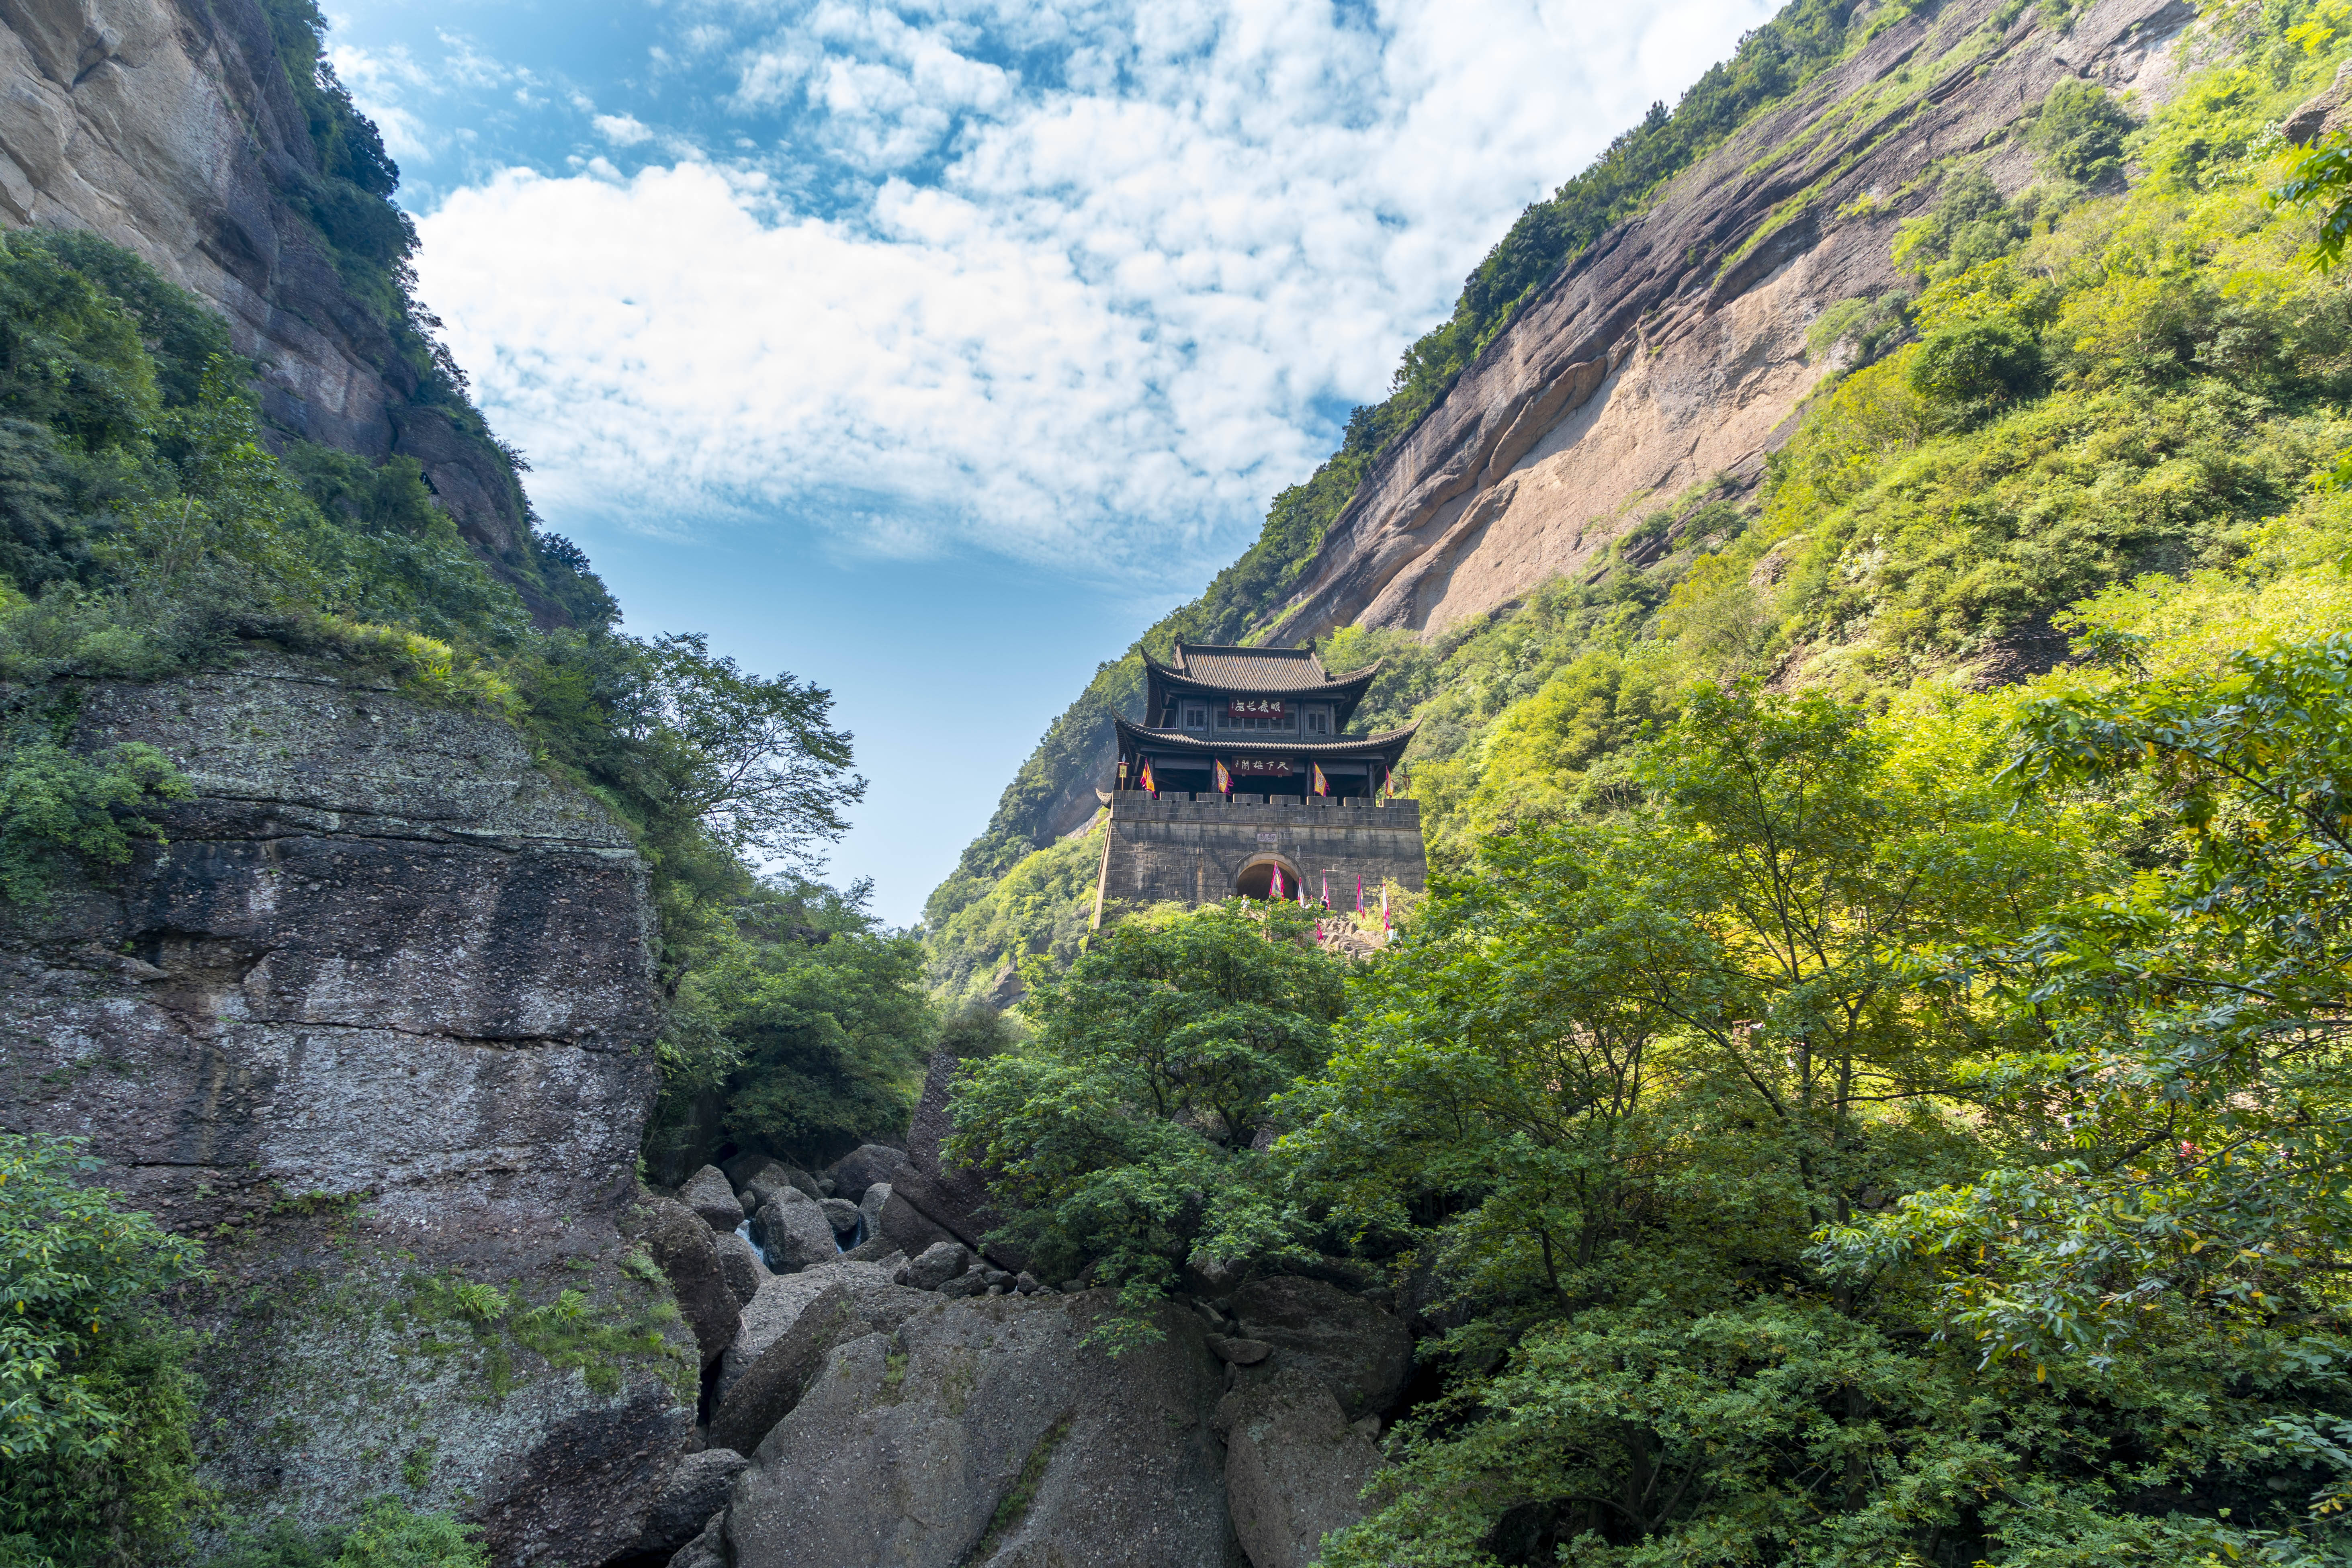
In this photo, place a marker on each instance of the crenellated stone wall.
(1195, 849)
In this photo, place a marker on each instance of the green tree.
(2080, 132)
(95, 1397)
(1121, 1133)
(1601, 1098)
(2187, 1072)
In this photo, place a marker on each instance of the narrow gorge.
(1849, 614)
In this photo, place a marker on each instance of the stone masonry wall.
(1192, 850)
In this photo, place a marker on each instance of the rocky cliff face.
(169, 127)
(1673, 351)
(376, 1024)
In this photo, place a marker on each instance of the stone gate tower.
(1244, 765)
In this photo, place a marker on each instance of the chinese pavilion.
(1243, 778)
(1264, 721)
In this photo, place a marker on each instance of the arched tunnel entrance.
(1256, 878)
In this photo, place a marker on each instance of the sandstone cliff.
(1658, 364)
(170, 128)
(376, 1024)
(1674, 350)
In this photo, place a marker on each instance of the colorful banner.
(1322, 784)
(1224, 779)
(1276, 888)
(1145, 782)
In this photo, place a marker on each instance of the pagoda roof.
(1387, 743)
(1262, 671)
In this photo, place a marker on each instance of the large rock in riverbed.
(709, 1195)
(795, 1232)
(984, 1433)
(1363, 1353)
(696, 1490)
(682, 1245)
(740, 1265)
(1295, 1469)
(783, 1297)
(863, 1167)
(765, 1391)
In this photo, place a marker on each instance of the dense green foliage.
(95, 1396)
(800, 1028)
(1040, 907)
(388, 1535)
(1123, 1133)
(1868, 1148)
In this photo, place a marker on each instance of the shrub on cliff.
(388, 1535)
(95, 1397)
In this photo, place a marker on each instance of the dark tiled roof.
(1386, 741)
(1272, 670)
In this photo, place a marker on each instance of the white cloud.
(1102, 276)
(622, 130)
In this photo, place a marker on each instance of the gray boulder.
(782, 1299)
(936, 1265)
(916, 1449)
(1361, 1353)
(767, 1390)
(856, 1172)
(842, 1214)
(708, 1549)
(695, 1490)
(709, 1195)
(908, 1228)
(950, 1197)
(869, 1208)
(770, 1179)
(682, 1245)
(1295, 1469)
(740, 1264)
(1240, 1352)
(970, 1283)
(794, 1233)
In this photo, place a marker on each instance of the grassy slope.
(2181, 389)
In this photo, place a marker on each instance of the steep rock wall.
(168, 127)
(376, 1023)
(1674, 350)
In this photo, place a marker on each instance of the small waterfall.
(744, 1230)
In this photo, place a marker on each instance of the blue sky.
(932, 351)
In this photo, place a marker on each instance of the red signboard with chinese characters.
(1261, 767)
(1256, 707)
